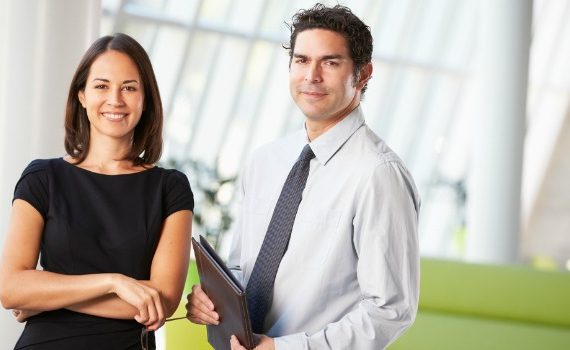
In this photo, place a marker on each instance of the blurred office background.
(473, 95)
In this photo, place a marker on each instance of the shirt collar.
(327, 144)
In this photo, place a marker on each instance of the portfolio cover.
(228, 296)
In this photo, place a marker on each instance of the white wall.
(41, 43)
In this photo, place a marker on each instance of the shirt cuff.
(294, 341)
(238, 274)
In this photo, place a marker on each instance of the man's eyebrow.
(325, 57)
(332, 57)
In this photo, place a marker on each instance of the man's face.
(321, 79)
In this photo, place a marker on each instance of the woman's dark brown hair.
(147, 138)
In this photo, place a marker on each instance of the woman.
(111, 229)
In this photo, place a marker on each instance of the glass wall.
(223, 71)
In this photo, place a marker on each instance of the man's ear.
(365, 75)
(81, 97)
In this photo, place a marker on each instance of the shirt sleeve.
(237, 229)
(178, 195)
(386, 243)
(33, 187)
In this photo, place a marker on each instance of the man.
(348, 278)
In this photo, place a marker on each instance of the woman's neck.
(107, 158)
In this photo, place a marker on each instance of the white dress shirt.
(349, 278)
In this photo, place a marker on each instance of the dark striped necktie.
(259, 289)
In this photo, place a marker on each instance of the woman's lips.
(114, 116)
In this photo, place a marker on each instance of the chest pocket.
(256, 214)
(314, 233)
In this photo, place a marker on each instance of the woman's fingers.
(152, 309)
(156, 311)
(145, 299)
(23, 315)
(18, 314)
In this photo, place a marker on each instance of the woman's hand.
(23, 315)
(144, 298)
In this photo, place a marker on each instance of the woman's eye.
(129, 88)
(100, 86)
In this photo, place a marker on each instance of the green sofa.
(462, 307)
(182, 334)
(470, 306)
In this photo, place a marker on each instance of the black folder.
(228, 297)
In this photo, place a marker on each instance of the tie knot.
(307, 154)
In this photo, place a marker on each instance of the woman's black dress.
(96, 223)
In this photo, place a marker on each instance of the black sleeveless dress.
(96, 223)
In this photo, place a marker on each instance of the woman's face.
(113, 96)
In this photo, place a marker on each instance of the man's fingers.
(202, 297)
(205, 317)
(197, 306)
(205, 306)
(200, 317)
(234, 343)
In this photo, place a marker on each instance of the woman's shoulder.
(177, 191)
(40, 165)
(167, 171)
(173, 179)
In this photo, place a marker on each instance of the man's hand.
(263, 343)
(199, 308)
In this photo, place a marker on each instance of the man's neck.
(316, 128)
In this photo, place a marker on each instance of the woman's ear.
(81, 97)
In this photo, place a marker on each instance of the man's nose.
(314, 73)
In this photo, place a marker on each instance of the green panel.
(183, 334)
(191, 278)
(463, 306)
(510, 292)
(433, 331)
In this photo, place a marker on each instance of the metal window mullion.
(548, 67)
(191, 28)
(241, 80)
(200, 109)
(420, 119)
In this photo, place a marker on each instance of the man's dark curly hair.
(338, 19)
